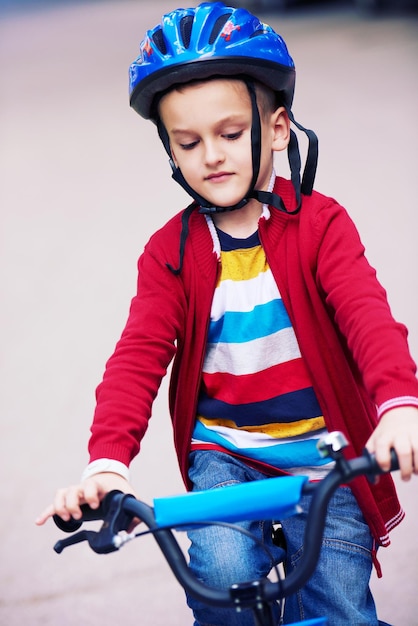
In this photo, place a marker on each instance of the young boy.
(279, 330)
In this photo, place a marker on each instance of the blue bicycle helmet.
(209, 40)
(213, 40)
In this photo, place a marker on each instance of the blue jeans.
(339, 589)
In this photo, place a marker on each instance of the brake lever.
(105, 540)
(83, 535)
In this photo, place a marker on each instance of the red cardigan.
(356, 353)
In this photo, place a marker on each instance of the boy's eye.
(232, 136)
(229, 136)
(188, 146)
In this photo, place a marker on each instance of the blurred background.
(84, 183)
(278, 6)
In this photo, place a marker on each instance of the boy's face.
(209, 127)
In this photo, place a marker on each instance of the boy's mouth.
(218, 177)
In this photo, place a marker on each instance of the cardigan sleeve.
(360, 307)
(134, 372)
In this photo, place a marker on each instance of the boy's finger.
(45, 515)
(73, 497)
(91, 493)
(405, 464)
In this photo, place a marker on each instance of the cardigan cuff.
(395, 403)
(105, 465)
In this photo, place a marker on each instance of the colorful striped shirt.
(256, 399)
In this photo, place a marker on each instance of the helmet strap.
(177, 175)
(176, 172)
(265, 197)
(255, 155)
(311, 164)
(306, 186)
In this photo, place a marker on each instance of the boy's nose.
(213, 153)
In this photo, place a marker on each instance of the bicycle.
(272, 498)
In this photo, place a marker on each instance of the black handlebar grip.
(374, 467)
(67, 526)
(88, 515)
(394, 461)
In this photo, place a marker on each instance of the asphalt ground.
(84, 183)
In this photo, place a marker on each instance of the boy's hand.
(91, 491)
(398, 429)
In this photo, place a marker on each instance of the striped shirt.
(256, 399)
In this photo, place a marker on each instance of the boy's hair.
(267, 99)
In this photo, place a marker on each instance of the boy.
(278, 328)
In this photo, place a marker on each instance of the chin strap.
(311, 163)
(301, 187)
(183, 236)
(205, 206)
(209, 209)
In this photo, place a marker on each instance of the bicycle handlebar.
(117, 510)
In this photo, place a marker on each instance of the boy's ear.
(280, 125)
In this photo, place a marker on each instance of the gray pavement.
(84, 183)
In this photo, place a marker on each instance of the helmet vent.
(218, 26)
(257, 33)
(186, 24)
(158, 39)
